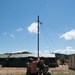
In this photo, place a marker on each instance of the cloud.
(5, 33)
(19, 29)
(8, 34)
(69, 35)
(12, 35)
(68, 50)
(35, 51)
(47, 47)
(19, 51)
(33, 28)
(42, 51)
(46, 51)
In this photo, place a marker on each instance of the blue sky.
(18, 26)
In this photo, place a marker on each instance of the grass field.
(61, 70)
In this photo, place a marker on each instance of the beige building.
(72, 61)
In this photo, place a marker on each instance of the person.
(41, 66)
(33, 66)
(28, 72)
(46, 70)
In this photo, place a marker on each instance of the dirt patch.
(22, 71)
(14, 71)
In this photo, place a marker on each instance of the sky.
(18, 26)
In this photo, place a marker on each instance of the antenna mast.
(38, 37)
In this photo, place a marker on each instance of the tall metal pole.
(38, 37)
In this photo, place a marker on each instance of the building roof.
(4, 55)
(20, 55)
(32, 55)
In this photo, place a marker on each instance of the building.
(21, 59)
(72, 61)
(4, 59)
